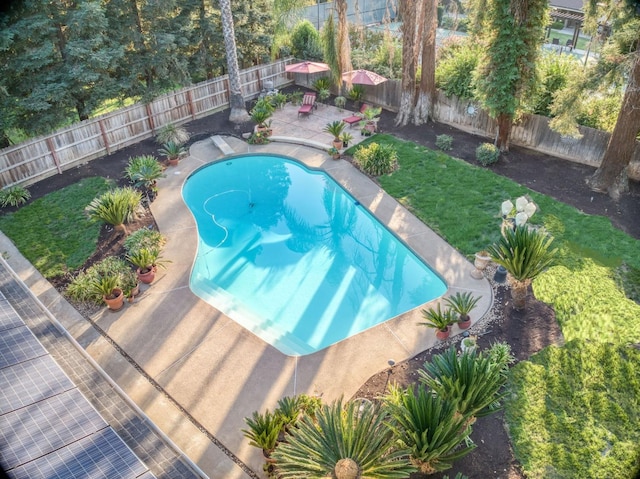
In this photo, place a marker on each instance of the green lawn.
(53, 232)
(573, 411)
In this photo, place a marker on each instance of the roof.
(572, 5)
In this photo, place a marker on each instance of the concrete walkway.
(198, 373)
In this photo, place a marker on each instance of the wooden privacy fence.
(44, 156)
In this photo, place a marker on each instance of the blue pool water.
(288, 254)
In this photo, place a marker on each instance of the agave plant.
(263, 431)
(471, 381)
(143, 171)
(172, 133)
(429, 426)
(344, 441)
(115, 207)
(14, 196)
(525, 253)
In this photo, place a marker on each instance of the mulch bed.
(525, 331)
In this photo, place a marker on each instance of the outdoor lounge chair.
(308, 104)
(357, 118)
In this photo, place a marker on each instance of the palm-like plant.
(335, 128)
(471, 381)
(174, 133)
(525, 253)
(146, 259)
(351, 441)
(289, 410)
(438, 318)
(429, 426)
(115, 207)
(462, 304)
(172, 150)
(263, 431)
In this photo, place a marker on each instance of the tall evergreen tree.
(254, 26)
(427, 92)
(512, 32)
(409, 60)
(58, 62)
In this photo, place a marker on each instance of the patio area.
(197, 373)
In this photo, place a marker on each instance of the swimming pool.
(287, 253)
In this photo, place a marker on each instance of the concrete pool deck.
(215, 370)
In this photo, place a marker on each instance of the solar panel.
(101, 455)
(45, 426)
(8, 317)
(18, 345)
(30, 381)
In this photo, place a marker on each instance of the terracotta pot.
(148, 276)
(134, 292)
(173, 161)
(337, 144)
(115, 301)
(442, 335)
(464, 322)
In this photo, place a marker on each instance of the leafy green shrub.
(600, 112)
(444, 142)
(143, 238)
(557, 25)
(340, 102)
(115, 207)
(487, 154)
(356, 93)
(83, 288)
(296, 97)
(376, 159)
(454, 70)
(14, 196)
(305, 41)
(172, 133)
(258, 138)
(553, 72)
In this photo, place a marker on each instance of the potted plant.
(323, 94)
(346, 137)
(260, 115)
(173, 151)
(370, 117)
(278, 100)
(147, 261)
(112, 294)
(263, 431)
(439, 319)
(335, 128)
(468, 344)
(334, 153)
(462, 304)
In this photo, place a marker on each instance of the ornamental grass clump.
(376, 159)
(172, 133)
(14, 196)
(444, 142)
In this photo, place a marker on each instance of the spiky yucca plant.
(429, 426)
(471, 381)
(172, 133)
(525, 253)
(143, 171)
(115, 207)
(343, 441)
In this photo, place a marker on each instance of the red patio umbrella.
(363, 77)
(307, 67)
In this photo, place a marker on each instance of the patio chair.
(357, 118)
(308, 104)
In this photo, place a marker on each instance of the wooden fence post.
(54, 155)
(190, 104)
(104, 137)
(150, 118)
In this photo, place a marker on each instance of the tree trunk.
(611, 176)
(504, 131)
(236, 100)
(344, 47)
(426, 95)
(407, 97)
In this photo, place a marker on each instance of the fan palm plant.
(172, 133)
(525, 253)
(471, 381)
(429, 426)
(343, 442)
(115, 207)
